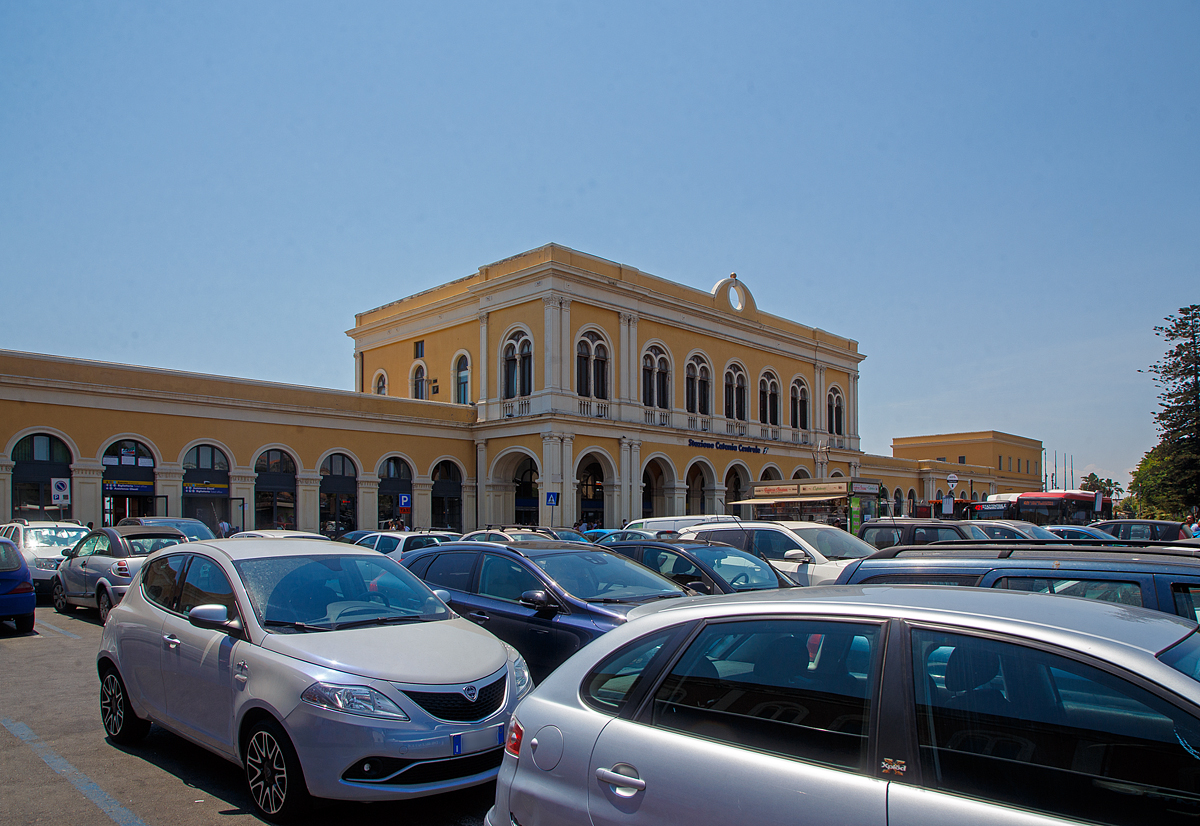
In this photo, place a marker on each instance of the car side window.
(882, 536)
(1141, 532)
(792, 687)
(387, 544)
(421, 542)
(451, 570)
(625, 550)
(736, 538)
(1124, 593)
(609, 685)
(772, 544)
(420, 566)
(88, 547)
(206, 584)
(1022, 726)
(1187, 600)
(502, 578)
(102, 545)
(161, 579)
(672, 565)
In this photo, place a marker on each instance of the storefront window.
(39, 460)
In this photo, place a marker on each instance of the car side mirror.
(67, 551)
(539, 600)
(796, 555)
(215, 618)
(442, 594)
(699, 587)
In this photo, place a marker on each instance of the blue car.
(17, 597)
(545, 598)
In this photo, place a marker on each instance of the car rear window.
(10, 558)
(142, 545)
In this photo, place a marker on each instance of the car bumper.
(17, 605)
(43, 580)
(407, 760)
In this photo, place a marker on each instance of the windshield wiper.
(380, 621)
(299, 626)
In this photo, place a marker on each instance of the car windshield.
(142, 545)
(835, 543)
(571, 535)
(316, 592)
(1039, 532)
(53, 537)
(1184, 656)
(976, 532)
(743, 571)
(193, 529)
(603, 576)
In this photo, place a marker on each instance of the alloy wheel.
(266, 772)
(104, 603)
(112, 704)
(59, 597)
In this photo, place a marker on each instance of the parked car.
(42, 545)
(866, 705)
(1155, 578)
(706, 567)
(1011, 529)
(18, 600)
(886, 532)
(672, 524)
(397, 543)
(1079, 532)
(97, 572)
(546, 598)
(810, 553)
(321, 670)
(509, 533)
(352, 537)
(279, 533)
(607, 536)
(1159, 529)
(193, 529)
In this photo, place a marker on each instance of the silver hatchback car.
(880, 705)
(320, 669)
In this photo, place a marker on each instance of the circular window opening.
(736, 299)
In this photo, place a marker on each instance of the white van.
(660, 524)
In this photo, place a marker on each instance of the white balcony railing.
(514, 407)
(735, 428)
(593, 410)
(700, 423)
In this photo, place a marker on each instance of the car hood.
(50, 551)
(444, 652)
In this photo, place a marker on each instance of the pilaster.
(6, 489)
(87, 491)
(241, 496)
(308, 502)
(422, 504)
(168, 482)
(368, 502)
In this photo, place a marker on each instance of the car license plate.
(473, 741)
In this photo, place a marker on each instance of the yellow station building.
(551, 376)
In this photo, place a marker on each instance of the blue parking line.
(76, 778)
(59, 630)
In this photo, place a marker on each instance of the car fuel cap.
(547, 747)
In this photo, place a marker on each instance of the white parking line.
(76, 778)
(59, 630)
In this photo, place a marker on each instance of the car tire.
(120, 723)
(59, 595)
(24, 624)
(274, 776)
(104, 605)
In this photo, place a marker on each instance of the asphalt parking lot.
(58, 766)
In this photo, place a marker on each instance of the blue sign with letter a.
(551, 499)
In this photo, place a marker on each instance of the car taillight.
(120, 568)
(512, 744)
(27, 588)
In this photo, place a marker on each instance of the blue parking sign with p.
(551, 499)
(405, 503)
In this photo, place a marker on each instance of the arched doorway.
(656, 479)
(525, 482)
(694, 503)
(395, 492)
(770, 474)
(446, 506)
(206, 486)
(40, 459)
(128, 481)
(736, 489)
(339, 495)
(591, 493)
(275, 490)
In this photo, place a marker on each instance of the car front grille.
(392, 771)
(453, 707)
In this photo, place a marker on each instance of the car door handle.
(171, 640)
(478, 616)
(243, 672)
(621, 781)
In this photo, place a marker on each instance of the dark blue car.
(546, 598)
(17, 597)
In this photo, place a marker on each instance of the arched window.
(768, 400)
(836, 412)
(395, 480)
(339, 495)
(205, 457)
(419, 384)
(799, 409)
(656, 378)
(42, 448)
(381, 385)
(275, 490)
(275, 461)
(735, 393)
(462, 376)
(518, 365)
(446, 496)
(39, 460)
(591, 366)
(912, 500)
(899, 503)
(697, 386)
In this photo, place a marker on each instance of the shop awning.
(811, 497)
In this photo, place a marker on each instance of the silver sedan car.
(880, 705)
(320, 669)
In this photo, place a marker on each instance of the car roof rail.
(1004, 549)
(20, 520)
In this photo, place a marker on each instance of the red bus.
(1047, 507)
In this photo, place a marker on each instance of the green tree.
(1171, 480)
(1094, 482)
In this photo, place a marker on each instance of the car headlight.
(352, 699)
(46, 563)
(521, 673)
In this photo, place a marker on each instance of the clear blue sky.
(998, 201)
